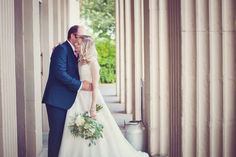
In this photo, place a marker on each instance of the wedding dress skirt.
(113, 143)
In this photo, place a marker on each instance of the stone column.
(8, 120)
(164, 77)
(151, 77)
(19, 65)
(57, 22)
(202, 89)
(146, 61)
(216, 74)
(32, 76)
(137, 59)
(64, 27)
(46, 49)
(189, 79)
(174, 17)
(128, 57)
(73, 12)
(229, 77)
(122, 50)
(67, 17)
(118, 48)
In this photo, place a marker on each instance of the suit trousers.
(56, 120)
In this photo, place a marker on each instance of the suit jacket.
(63, 80)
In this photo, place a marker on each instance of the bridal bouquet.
(86, 127)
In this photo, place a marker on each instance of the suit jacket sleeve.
(59, 65)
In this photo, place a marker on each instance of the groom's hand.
(87, 86)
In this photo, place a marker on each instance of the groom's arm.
(59, 67)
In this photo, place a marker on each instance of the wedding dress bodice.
(85, 72)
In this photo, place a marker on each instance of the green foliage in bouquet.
(86, 127)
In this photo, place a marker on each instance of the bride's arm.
(95, 82)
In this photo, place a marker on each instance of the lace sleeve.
(95, 81)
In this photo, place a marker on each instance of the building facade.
(176, 63)
(184, 54)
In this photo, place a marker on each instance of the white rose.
(79, 121)
(92, 131)
(86, 126)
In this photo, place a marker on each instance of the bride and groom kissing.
(72, 87)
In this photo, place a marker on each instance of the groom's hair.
(72, 30)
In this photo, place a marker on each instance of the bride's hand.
(93, 113)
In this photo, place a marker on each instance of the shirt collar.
(72, 46)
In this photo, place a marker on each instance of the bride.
(113, 143)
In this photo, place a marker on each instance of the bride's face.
(78, 44)
(77, 47)
(80, 40)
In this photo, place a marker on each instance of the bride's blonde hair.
(88, 50)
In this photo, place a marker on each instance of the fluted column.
(216, 73)
(128, 57)
(189, 70)
(46, 48)
(202, 59)
(118, 48)
(146, 65)
(67, 14)
(174, 18)
(32, 75)
(8, 125)
(164, 77)
(229, 77)
(137, 59)
(122, 50)
(19, 65)
(57, 21)
(64, 24)
(151, 77)
(73, 12)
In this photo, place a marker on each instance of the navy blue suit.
(60, 92)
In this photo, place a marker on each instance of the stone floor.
(117, 109)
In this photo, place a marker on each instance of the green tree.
(106, 58)
(99, 15)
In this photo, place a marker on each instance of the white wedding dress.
(113, 143)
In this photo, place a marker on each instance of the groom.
(62, 86)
